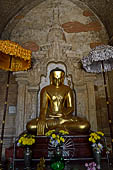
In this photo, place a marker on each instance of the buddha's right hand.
(40, 127)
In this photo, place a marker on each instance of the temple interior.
(69, 35)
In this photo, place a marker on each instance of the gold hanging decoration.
(21, 58)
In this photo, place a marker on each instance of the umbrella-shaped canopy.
(99, 59)
(21, 58)
(13, 57)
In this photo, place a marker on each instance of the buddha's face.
(57, 78)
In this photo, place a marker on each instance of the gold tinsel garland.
(21, 58)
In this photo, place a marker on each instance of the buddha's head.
(57, 77)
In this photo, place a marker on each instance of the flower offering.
(56, 137)
(26, 140)
(97, 140)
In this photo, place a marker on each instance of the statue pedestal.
(76, 147)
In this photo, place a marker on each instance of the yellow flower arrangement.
(97, 139)
(26, 140)
(57, 137)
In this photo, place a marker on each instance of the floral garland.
(56, 137)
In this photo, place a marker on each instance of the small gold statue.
(56, 108)
(41, 164)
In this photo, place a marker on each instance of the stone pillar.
(82, 102)
(33, 103)
(92, 105)
(21, 106)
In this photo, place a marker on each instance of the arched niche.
(80, 30)
(45, 81)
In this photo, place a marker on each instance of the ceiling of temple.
(102, 8)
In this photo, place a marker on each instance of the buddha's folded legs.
(32, 126)
(50, 123)
(73, 125)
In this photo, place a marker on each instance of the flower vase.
(57, 162)
(97, 158)
(58, 151)
(27, 157)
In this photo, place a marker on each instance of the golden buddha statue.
(56, 108)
